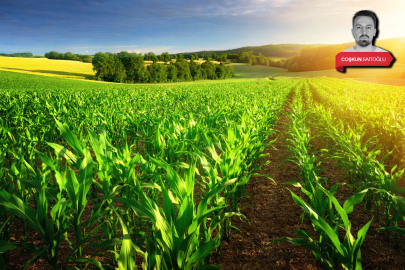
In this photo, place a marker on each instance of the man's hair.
(367, 13)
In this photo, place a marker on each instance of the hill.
(394, 45)
(280, 50)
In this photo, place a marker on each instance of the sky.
(175, 26)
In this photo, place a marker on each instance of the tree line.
(254, 60)
(280, 50)
(314, 58)
(131, 68)
(68, 56)
(24, 54)
(311, 58)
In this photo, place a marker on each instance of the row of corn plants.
(328, 218)
(364, 165)
(135, 159)
(378, 108)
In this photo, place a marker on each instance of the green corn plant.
(200, 114)
(378, 108)
(398, 204)
(327, 248)
(366, 169)
(50, 231)
(176, 242)
(231, 165)
(77, 188)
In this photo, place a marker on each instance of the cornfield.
(144, 148)
(153, 176)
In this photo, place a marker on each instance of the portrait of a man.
(364, 30)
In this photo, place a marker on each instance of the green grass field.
(15, 80)
(244, 71)
(277, 58)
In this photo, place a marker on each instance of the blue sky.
(90, 26)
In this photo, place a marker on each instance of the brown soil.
(275, 215)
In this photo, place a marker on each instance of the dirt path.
(275, 215)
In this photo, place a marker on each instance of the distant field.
(19, 80)
(48, 67)
(78, 70)
(277, 58)
(244, 71)
(351, 73)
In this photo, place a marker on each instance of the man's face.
(364, 30)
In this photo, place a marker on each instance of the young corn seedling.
(327, 248)
(50, 231)
(176, 242)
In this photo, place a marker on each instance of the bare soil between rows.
(274, 215)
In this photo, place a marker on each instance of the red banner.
(363, 59)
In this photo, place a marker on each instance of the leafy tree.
(68, 56)
(157, 73)
(183, 71)
(253, 60)
(135, 69)
(99, 65)
(208, 70)
(53, 55)
(151, 57)
(122, 54)
(222, 58)
(196, 57)
(245, 56)
(191, 58)
(195, 70)
(262, 60)
(180, 57)
(25, 54)
(165, 57)
(229, 71)
(171, 73)
(117, 73)
(224, 71)
(220, 72)
(108, 67)
(87, 59)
